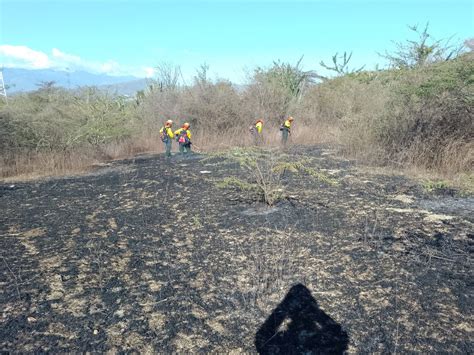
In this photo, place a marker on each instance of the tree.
(167, 76)
(289, 77)
(276, 89)
(201, 78)
(46, 85)
(341, 68)
(422, 51)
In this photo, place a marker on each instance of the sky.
(119, 37)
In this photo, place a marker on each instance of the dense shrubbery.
(420, 115)
(56, 119)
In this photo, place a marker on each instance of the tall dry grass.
(35, 164)
(30, 165)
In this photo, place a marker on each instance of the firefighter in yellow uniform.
(256, 131)
(167, 135)
(285, 129)
(183, 137)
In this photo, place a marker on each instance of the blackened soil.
(150, 255)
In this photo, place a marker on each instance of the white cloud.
(110, 67)
(149, 72)
(27, 58)
(24, 57)
(64, 57)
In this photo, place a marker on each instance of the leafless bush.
(273, 267)
(268, 179)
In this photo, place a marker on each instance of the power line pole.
(3, 90)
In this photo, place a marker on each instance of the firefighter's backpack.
(164, 135)
(183, 137)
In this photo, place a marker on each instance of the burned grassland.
(199, 253)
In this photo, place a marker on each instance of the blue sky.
(232, 37)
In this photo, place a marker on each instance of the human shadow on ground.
(297, 325)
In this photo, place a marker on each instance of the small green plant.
(466, 183)
(300, 167)
(293, 167)
(431, 186)
(265, 169)
(261, 190)
(259, 165)
(196, 222)
(320, 176)
(233, 182)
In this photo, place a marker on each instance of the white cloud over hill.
(27, 58)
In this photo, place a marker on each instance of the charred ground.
(151, 254)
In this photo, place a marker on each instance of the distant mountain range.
(23, 80)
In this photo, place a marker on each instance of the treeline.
(416, 113)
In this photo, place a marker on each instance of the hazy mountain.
(22, 80)
(126, 88)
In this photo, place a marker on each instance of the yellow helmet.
(290, 118)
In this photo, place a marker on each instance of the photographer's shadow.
(297, 325)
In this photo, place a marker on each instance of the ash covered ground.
(150, 254)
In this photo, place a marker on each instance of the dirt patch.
(260, 210)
